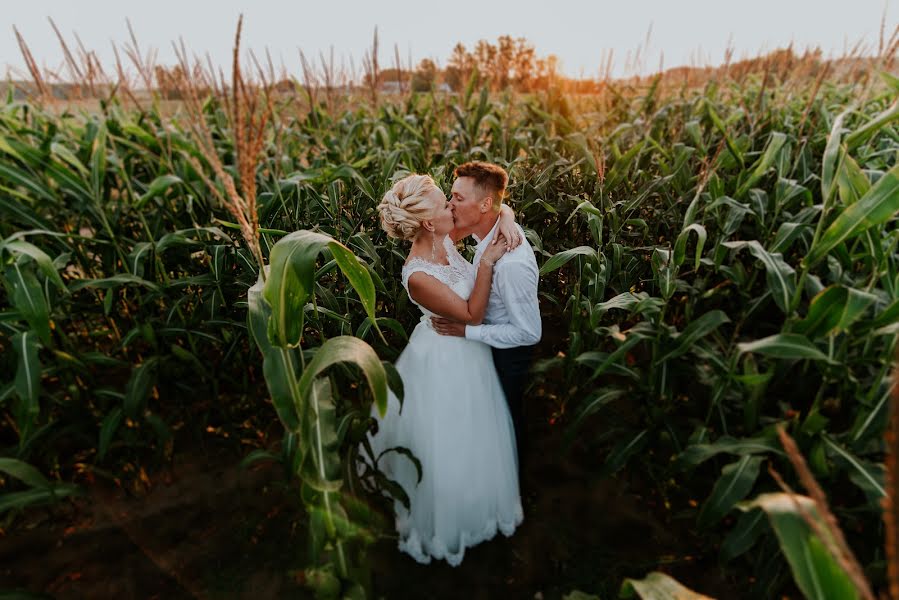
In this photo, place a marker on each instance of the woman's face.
(443, 214)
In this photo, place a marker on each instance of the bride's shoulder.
(418, 263)
(413, 261)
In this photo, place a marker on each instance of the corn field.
(719, 265)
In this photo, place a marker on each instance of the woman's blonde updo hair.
(406, 205)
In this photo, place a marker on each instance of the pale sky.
(686, 31)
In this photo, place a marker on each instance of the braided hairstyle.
(406, 205)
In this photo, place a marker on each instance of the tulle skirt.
(456, 421)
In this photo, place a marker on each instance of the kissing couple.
(465, 367)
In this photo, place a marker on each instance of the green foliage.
(815, 570)
(303, 396)
(714, 261)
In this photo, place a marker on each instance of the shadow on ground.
(209, 529)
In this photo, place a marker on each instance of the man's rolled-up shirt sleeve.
(516, 283)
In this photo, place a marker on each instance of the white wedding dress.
(455, 420)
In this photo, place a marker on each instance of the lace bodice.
(458, 275)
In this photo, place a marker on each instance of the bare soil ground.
(205, 528)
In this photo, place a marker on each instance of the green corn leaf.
(98, 163)
(624, 301)
(735, 483)
(694, 130)
(24, 473)
(409, 455)
(585, 206)
(35, 187)
(114, 281)
(136, 257)
(6, 146)
(350, 350)
(867, 476)
(622, 165)
(28, 298)
(69, 181)
(665, 272)
(867, 131)
(44, 262)
(35, 497)
(7, 391)
(852, 183)
(108, 429)
(256, 456)
(722, 128)
(591, 405)
(890, 80)
(696, 454)
(28, 375)
(394, 381)
(786, 234)
(137, 390)
(560, 259)
(888, 315)
(764, 163)
(871, 423)
(697, 329)
(279, 365)
(322, 435)
(18, 211)
(621, 453)
(745, 533)
(833, 310)
(290, 282)
(875, 208)
(780, 276)
(680, 245)
(391, 324)
(815, 571)
(616, 356)
(157, 188)
(789, 346)
(833, 154)
(68, 157)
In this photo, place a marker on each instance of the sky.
(580, 33)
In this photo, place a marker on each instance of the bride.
(454, 417)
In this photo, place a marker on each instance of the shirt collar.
(483, 243)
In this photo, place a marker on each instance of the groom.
(512, 324)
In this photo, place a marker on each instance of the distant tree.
(484, 56)
(425, 76)
(459, 68)
(524, 65)
(510, 62)
(547, 72)
(389, 75)
(504, 62)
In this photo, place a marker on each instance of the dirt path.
(207, 529)
(201, 531)
(577, 532)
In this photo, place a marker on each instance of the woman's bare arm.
(438, 298)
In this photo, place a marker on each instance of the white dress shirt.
(513, 315)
